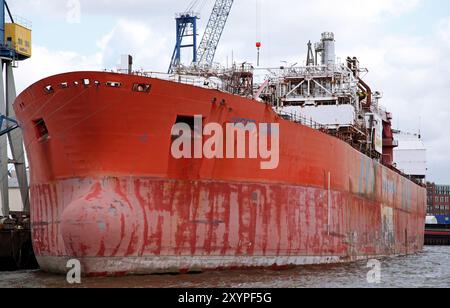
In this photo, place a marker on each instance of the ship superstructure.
(334, 95)
(324, 94)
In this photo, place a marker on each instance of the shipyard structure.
(105, 188)
(437, 229)
(15, 233)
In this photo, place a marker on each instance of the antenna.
(420, 127)
(310, 61)
(258, 30)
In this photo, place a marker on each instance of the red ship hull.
(106, 190)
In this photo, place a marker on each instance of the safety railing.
(294, 117)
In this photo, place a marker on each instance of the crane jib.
(211, 38)
(187, 27)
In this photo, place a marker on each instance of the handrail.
(294, 117)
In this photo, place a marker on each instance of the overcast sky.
(405, 44)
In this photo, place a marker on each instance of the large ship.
(107, 190)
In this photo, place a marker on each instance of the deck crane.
(187, 27)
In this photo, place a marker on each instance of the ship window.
(76, 83)
(190, 121)
(141, 87)
(113, 84)
(97, 83)
(186, 120)
(41, 129)
(64, 85)
(86, 82)
(49, 89)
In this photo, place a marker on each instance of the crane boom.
(216, 25)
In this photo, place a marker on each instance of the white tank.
(329, 49)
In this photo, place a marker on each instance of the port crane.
(10, 125)
(203, 56)
(15, 46)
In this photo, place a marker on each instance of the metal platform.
(437, 235)
(16, 250)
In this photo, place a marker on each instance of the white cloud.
(58, 8)
(413, 71)
(127, 37)
(46, 63)
(443, 29)
(149, 49)
(363, 10)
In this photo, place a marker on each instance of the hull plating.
(106, 190)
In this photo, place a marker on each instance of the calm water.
(428, 269)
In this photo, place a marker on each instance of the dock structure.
(16, 251)
(437, 235)
(15, 234)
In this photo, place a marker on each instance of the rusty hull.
(105, 189)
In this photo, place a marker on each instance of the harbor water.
(430, 268)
